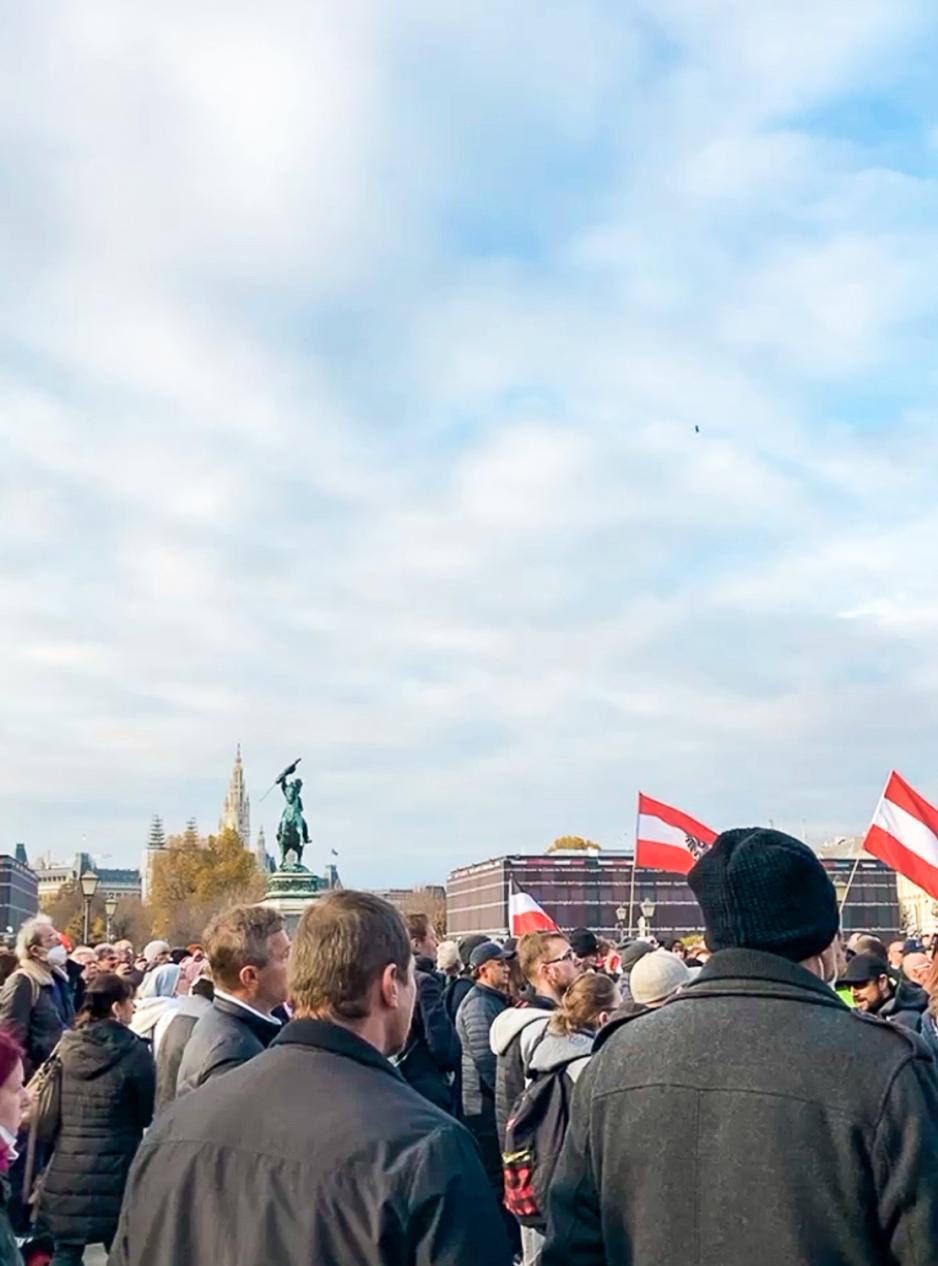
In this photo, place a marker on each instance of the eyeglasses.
(568, 957)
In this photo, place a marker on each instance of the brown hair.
(533, 950)
(584, 1000)
(418, 926)
(237, 938)
(100, 997)
(342, 945)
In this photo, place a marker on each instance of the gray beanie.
(657, 976)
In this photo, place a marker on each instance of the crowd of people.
(368, 1094)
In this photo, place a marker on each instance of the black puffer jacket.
(108, 1082)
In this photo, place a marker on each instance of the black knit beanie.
(764, 890)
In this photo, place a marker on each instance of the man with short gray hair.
(247, 950)
(36, 1001)
(318, 1150)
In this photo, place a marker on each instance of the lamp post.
(648, 913)
(110, 905)
(89, 886)
(621, 914)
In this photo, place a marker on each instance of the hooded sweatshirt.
(514, 1035)
(556, 1049)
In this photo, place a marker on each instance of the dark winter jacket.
(474, 1019)
(454, 992)
(906, 1006)
(514, 1036)
(108, 1083)
(226, 1036)
(813, 1132)
(173, 1043)
(36, 1015)
(317, 1151)
(9, 1252)
(432, 1053)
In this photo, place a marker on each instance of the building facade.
(52, 877)
(596, 891)
(19, 892)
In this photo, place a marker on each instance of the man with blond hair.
(550, 965)
(317, 1150)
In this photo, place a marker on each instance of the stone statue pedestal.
(290, 890)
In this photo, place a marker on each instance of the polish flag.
(667, 838)
(525, 915)
(904, 834)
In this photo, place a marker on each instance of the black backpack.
(534, 1135)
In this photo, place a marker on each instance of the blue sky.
(350, 363)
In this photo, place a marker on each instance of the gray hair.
(30, 934)
(447, 956)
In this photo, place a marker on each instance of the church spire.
(236, 813)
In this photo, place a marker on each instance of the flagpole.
(853, 871)
(634, 866)
(856, 862)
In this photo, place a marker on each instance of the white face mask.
(10, 1140)
(57, 956)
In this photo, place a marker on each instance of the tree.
(131, 922)
(67, 911)
(194, 879)
(577, 843)
(430, 901)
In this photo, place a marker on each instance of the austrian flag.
(669, 839)
(904, 834)
(525, 915)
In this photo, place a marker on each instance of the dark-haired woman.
(108, 1083)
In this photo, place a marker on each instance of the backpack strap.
(33, 982)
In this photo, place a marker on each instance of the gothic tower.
(236, 815)
(155, 845)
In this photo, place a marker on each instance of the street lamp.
(648, 913)
(110, 905)
(621, 912)
(89, 886)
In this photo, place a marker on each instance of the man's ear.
(248, 976)
(391, 986)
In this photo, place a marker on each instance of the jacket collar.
(257, 1023)
(543, 1003)
(323, 1035)
(743, 973)
(739, 970)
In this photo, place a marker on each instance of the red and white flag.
(669, 839)
(904, 834)
(525, 915)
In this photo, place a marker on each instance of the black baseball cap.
(487, 952)
(863, 968)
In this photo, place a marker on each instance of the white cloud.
(350, 370)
